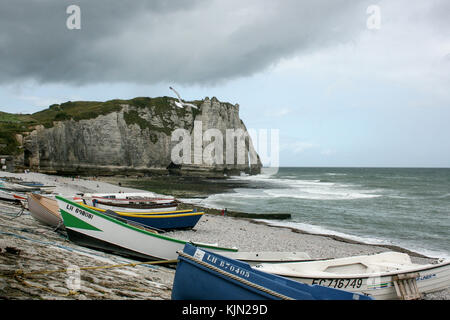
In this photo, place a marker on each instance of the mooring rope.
(20, 272)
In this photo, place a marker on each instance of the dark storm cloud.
(197, 41)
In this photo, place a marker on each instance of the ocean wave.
(314, 194)
(319, 230)
(312, 189)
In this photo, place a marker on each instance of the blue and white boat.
(204, 275)
(176, 220)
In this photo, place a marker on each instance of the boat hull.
(372, 275)
(47, 213)
(167, 221)
(203, 275)
(382, 287)
(81, 222)
(11, 196)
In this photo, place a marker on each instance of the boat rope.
(234, 277)
(70, 293)
(60, 223)
(19, 213)
(21, 273)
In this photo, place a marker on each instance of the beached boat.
(147, 212)
(130, 207)
(12, 195)
(97, 230)
(45, 210)
(9, 186)
(6, 195)
(204, 275)
(183, 219)
(128, 197)
(24, 187)
(384, 276)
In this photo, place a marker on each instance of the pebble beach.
(26, 247)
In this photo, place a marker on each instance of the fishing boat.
(9, 186)
(6, 195)
(24, 187)
(384, 276)
(12, 196)
(147, 212)
(127, 197)
(182, 219)
(205, 275)
(45, 210)
(132, 207)
(90, 228)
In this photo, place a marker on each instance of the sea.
(404, 207)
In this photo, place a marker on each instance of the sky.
(344, 83)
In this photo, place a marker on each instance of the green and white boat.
(97, 230)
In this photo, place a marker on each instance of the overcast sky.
(341, 90)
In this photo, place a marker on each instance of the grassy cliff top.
(12, 124)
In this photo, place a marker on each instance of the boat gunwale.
(425, 267)
(141, 213)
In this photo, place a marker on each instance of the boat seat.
(351, 268)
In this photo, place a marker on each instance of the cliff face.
(138, 139)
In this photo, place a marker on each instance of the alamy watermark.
(374, 20)
(232, 147)
(73, 21)
(73, 280)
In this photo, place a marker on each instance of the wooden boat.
(381, 276)
(24, 187)
(45, 210)
(11, 195)
(129, 197)
(6, 195)
(130, 207)
(97, 230)
(5, 185)
(186, 219)
(204, 275)
(147, 212)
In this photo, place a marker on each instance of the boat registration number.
(339, 283)
(224, 265)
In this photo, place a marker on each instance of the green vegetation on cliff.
(12, 124)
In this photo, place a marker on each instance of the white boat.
(128, 197)
(93, 229)
(254, 258)
(10, 186)
(6, 195)
(384, 276)
(12, 196)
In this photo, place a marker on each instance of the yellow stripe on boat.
(161, 216)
